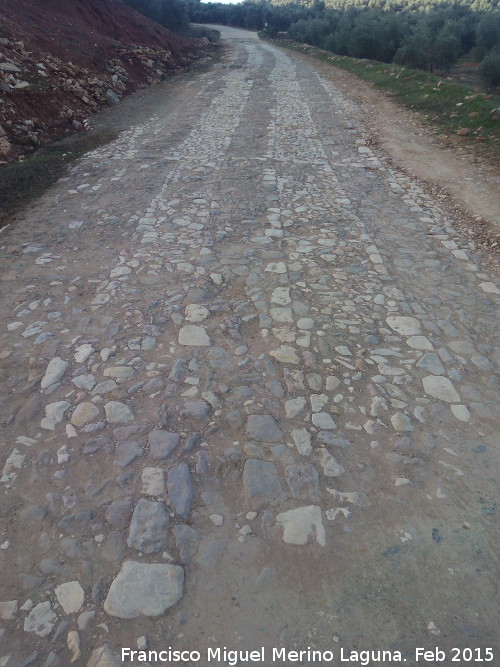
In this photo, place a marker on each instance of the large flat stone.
(302, 439)
(286, 355)
(263, 428)
(143, 589)
(148, 527)
(54, 413)
(440, 387)
(84, 413)
(187, 540)
(303, 482)
(41, 620)
(194, 335)
(117, 413)
(331, 467)
(406, 326)
(180, 489)
(70, 596)
(163, 443)
(260, 480)
(55, 371)
(301, 524)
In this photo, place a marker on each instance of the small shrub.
(489, 69)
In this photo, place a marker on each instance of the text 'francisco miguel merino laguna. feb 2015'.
(276, 656)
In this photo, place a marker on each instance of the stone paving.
(248, 390)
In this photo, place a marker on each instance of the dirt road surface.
(249, 392)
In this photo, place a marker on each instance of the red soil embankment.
(62, 60)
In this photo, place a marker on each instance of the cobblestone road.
(248, 392)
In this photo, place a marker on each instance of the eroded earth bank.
(248, 391)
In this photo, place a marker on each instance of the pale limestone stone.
(194, 336)
(153, 481)
(406, 326)
(461, 412)
(119, 372)
(305, 323)
(41, 619)
(54, 413)
(276, 267)
(217, 519)
(70, 596)
(420, 343)
(302, 439)
(284, 335)
(120, 271)
(324, 421)
(489, 288)
(331, 467)
(302, 523)
(86, 382)
(73, 642)
(83, 352)
(440, 387)
(295, 406)
(286, 354)
(196, 313)
(401, 422)
(281, 296)
(304, 340)
(216, 278)
(55, 371)
(117, 412)
(332, 383)
(284, 315)
(84, 413)
(143, 589)
(318, 402)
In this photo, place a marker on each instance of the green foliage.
(489, 69)
(487, 34)
(201, 31)
(170, 13)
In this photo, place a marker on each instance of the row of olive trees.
(429, 40)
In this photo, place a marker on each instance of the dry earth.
(249, 390)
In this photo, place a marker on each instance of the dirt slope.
(60, 61)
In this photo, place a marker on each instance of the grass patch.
(21, 182)
(446, 105)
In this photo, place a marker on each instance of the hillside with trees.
(420, 34)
